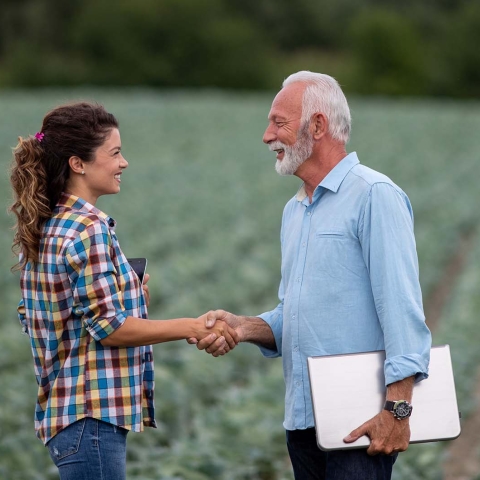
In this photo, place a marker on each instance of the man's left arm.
(389, 250)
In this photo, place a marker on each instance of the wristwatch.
(400, 409)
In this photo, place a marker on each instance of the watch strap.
(389, 405)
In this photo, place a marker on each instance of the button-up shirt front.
(81, 290)
(350, 282)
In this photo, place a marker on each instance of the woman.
(83, 306)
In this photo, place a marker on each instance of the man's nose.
(269, 135)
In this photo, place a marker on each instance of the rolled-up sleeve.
(389, 250)
(98, 299)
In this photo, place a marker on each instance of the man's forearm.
(256, 331)
(401, 390)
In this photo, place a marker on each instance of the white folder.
(347, 390)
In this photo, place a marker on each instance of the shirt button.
(309, 213)
(293, 316)
(297, 384)
(295, 349)
(298, 279)
(304, 244)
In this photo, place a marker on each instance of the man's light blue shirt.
(350, 282)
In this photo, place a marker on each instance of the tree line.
(392, 47)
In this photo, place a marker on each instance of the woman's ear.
(76, 165)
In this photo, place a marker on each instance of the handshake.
(222, 332)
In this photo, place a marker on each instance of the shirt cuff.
(100, 328)
(403, 366)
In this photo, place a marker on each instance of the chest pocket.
(336, 254)
(330, 234)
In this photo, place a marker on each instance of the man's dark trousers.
(311, 463)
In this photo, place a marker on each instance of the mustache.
(277, 145)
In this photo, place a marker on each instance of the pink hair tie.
(39, 136)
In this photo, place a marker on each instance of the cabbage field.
(202, 202)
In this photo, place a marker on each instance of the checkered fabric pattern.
(81, 290)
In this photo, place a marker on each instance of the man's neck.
(319, 165)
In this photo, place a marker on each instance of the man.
(349, 279)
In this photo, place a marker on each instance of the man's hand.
(214, 344)
(146, 291)
(219, 346)
(387, 434)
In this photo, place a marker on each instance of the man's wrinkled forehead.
(288, 102)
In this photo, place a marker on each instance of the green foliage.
(461, 55)
(371, 46)
(201, 200)
(389, 53)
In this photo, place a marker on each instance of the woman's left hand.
(146, 290)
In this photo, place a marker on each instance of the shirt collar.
(68, 201)
(334, 178)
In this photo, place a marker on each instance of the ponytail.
(31, 204)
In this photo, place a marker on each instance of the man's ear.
(320, 125)
(76, 165)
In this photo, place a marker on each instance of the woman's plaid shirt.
(81, 290)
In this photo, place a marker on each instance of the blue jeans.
(90, 449)
(311, 463)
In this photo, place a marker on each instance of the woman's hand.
(146, 291)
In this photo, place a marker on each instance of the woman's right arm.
(136, 332)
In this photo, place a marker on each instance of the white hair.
(324, 95)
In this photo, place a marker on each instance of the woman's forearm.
(136, 332)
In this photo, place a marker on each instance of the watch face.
(402, 409)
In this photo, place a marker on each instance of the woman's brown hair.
(40, 168)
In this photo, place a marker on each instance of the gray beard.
(294, 154)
